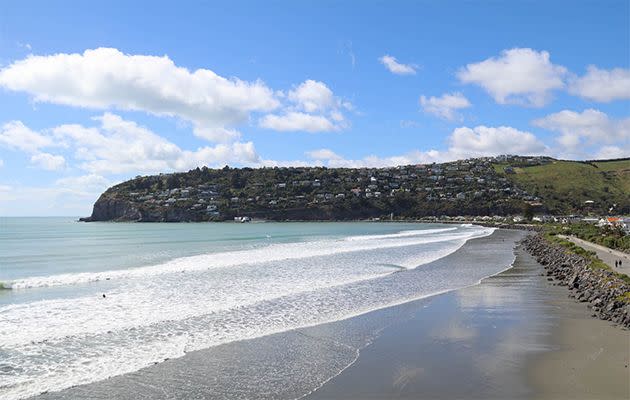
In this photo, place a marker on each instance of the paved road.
(605, 254)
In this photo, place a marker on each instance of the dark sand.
(513, 336)
(516, 335)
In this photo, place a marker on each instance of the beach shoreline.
(495, 336)
(574, 356)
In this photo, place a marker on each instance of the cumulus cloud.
(326, 157)
(602, 85)
(590, 126)
(312, 96)
(445, 106)
(397, 68)
(608, 152)
(48, 161)
(118, 146)
(297, 121)
(106, 78)
(121, 146)
(481, 141)
(323, 154)
(520, 76)
(463, 142)
(84, 182)
(17, 136)
(312, 108)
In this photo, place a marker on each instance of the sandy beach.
(588, 358)
(514, 335)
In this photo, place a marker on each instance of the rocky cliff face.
(607, 294)
(111, 208)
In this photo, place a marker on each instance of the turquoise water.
(46, 246)
(86, 301)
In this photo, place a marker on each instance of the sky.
(94, 93)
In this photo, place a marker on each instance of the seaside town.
(479, 189)
(320, 201)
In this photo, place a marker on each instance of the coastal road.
(609, 256)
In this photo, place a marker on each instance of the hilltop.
(504, 185)
(574, 186)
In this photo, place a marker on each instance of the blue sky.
(92, 94)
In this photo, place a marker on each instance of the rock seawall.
(606, 293)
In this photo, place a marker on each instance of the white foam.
(62, 342)
(401, 234)
(274, 252)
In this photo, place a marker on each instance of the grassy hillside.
(564, 186)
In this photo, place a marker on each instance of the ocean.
(82, 302)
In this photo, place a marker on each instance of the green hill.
(565, 186)
(505, 185)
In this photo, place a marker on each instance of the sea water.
(82, 302)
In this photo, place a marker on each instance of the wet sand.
(512, 336)
(589, 357)
(515, 335)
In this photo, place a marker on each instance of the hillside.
(484, 186)
(566, 186)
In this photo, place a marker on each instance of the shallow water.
(175, 288)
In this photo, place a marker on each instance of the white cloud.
(313, 108)
(334, 160)
(481, 141)
(297, 121)
(55, 199)
(312, 96)
(48, 161)
(323, 154)
(519, 75)
(412, 157)
(464, 142)
(106, 78)
(608, 152)
(446, 106)
(16, 136)
(397, 68)
(83, 182)
(1, 163)
(590, 127)
(602, 85)
(121, 146)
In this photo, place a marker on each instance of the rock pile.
(606, 293)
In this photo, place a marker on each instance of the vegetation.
(594, 261)
(501, 186)
(565, 186)
(608, 236)
(469, 187)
